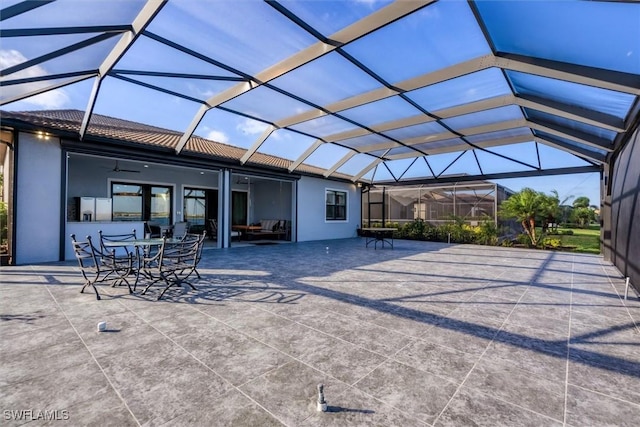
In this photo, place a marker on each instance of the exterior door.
(239, 207)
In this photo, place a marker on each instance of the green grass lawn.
(586, 240)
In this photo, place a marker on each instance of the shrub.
(523, 239)
(413, 230)
(553, 243)
(486, 233)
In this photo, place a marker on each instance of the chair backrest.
(153, 230)
(181, 254)
(180, 229)
(212, 225)
(83, 251)
(124, 250)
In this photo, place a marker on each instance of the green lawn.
(583, 239)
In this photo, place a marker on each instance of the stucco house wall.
(37, 203)
(312, 224)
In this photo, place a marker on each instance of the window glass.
(336, 205)
(127, 202)
(160, 205)
(141, 202)
(194, 206)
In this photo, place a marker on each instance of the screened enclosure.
(470, 202)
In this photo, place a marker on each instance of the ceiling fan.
(117, 169)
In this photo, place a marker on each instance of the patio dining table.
(137, 244)
(379, 234)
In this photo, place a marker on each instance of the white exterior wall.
(312, 224)
(37, 202)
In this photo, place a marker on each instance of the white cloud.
(367, 2)
(251, 127)
(52, 99)
(218, 136)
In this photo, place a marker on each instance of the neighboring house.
(132, 170)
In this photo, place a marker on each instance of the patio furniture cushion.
(270, 225)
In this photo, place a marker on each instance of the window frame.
(146, 195)
(335, 191)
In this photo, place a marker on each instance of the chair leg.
(94, 289)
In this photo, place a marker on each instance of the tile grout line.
(93, 356)
(202, 363)
(566, 377)
(620, 297)
(299, 360)
(482, 355)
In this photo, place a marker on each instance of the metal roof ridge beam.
(578, 151)
(320, 48)
(340, 162)
(500, 175)
(413, 83)
(471, 66)
(192, 127)
(52, 31)
(580, 137)
(378, 19)
(474, 107)
(360, 174)
(442, 136)
(313, 147)
(583, 115)
(144, 17)
(354, 31)
(590, 76)
(34, 79)
(22, 7)
(418, 119)
(55, 54)
(486, 104)
(46, 89)
(465, 147)
(494, 127)
(251, 151)
(178, 75)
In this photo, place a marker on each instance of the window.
(336, 205)
(141, 202)
(194, 206)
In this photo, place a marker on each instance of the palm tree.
(552, 210)
(581, 202)
(525, 206)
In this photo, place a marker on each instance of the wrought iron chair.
(99, 266)
(174, 263)
(120, 251)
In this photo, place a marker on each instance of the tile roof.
(119, 130)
